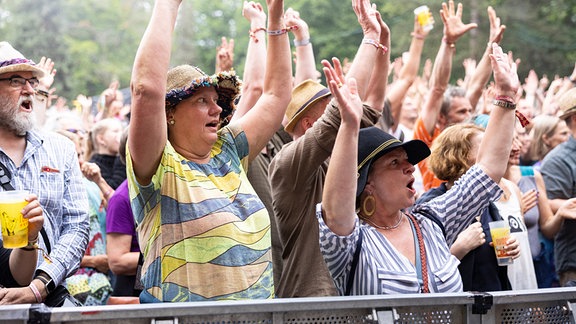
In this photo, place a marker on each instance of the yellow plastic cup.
(14, 225)
(500, 232)
(424, 17)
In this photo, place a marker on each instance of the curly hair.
(450, 151)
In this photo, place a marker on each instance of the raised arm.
(339, 196)
(305, 61)
(362, 65)
(253, 78)
(495, 146)
(397, 90)
(376, 93)
(265, 117)
(148, 131)
(454, 28)
(483, 69)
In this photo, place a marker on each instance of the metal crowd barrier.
(555, 305)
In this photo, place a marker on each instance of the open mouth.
(26, 105)
(213, 124)
(410, 186)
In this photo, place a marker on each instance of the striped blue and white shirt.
(50, 169)
(382, 269)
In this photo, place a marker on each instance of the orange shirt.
(429, 180)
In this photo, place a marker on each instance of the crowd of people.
(209, 186)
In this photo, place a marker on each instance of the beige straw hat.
(13, 61)
(567, 103)
(304, 96)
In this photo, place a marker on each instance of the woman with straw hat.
(204, 233)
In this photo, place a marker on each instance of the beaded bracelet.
(281, 31)
(35, 292)
(445, 40)
(375, 44)
(252, 33)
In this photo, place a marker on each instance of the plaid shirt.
(50, 169)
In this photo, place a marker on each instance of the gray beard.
(12, 119)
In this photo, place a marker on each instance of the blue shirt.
(383, 270)
(50, 169)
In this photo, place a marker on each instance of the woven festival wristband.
(281, 31)
(375, 44)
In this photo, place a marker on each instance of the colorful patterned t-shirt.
(204, 232)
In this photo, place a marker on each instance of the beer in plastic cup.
(424, 17)
(14, 225)
(500, 232)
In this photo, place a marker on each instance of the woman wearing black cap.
(386, 250)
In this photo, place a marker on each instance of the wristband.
(375, 44)
(281, 31)
(303, 42)
(35, 292)
(504, 104)
(252, 33)
(445, 40)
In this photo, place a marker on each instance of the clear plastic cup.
(14, 225)
(500, 232)
(424, 17)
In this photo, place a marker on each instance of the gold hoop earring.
(368, 206)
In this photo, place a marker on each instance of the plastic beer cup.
(14, 225)
(500, 232)
(424, 17)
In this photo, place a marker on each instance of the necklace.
(387, 227)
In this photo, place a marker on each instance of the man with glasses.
(46, 164)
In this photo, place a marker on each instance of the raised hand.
(292, 18)
(254, 12)
(454, 28)
(225, 55)
(275, 10)
(334, 72)
(496, 28)
(366, 13)
(47, 65)
(506, 80)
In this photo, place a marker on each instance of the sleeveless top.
(531, 217)
(521, 273)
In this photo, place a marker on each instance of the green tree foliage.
(94, 41)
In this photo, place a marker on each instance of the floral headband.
(227, 86)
